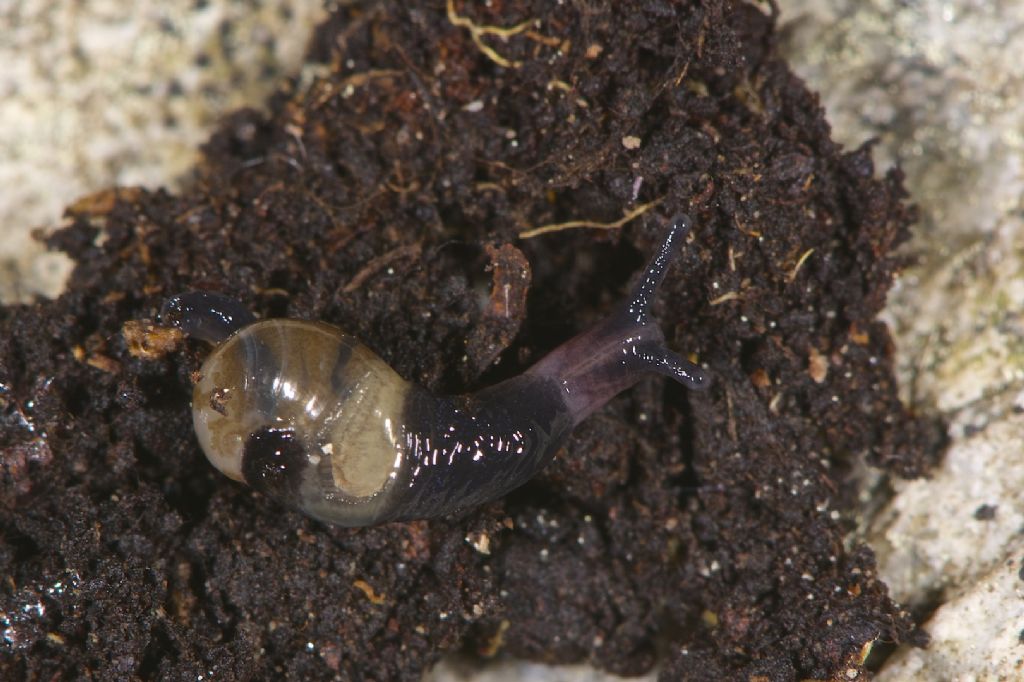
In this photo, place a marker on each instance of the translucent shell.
(304, 412)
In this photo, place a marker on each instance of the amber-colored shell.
(339, 399)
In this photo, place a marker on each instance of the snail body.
(307, 414)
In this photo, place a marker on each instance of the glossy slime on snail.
(308, 415)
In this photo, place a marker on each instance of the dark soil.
(698, 527)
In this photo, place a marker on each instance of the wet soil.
(384, 191)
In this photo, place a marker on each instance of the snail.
(305, 413)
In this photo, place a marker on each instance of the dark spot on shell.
(273, 462)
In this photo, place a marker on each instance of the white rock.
(509, 670)
(928, 538)
(976, 635)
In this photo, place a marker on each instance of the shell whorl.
(332, 399)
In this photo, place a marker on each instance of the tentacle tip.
(639, 304)
(697, 379)
(654, 357)
(678, 227)
(685, 372)
(681, 223)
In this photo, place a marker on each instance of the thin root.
(379, 263)
(477, 32)
(573, 224)
(799, 264)
(725, 298)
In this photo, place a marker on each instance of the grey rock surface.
(101, 93)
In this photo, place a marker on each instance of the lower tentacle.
(655, 357)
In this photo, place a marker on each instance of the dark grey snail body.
(305, 413)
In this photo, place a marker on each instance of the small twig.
(573, 224)
(476, 32)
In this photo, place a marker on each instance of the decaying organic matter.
(700, 524)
